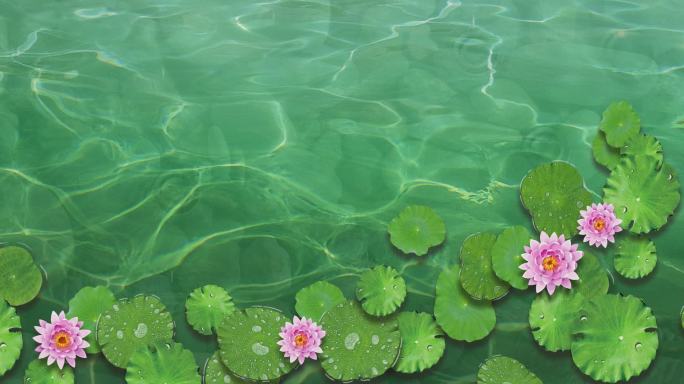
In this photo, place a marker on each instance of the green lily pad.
(603, 153)
(10, 337)
(593, 278)
(553, 319)
(318, 298)
(644, 145)
(635, 257)
(615, 339)
(620, 123)
(206, 308)
(554, 194)
(381, 291)
(477, 273)
(217, 373)
(20, 277)
(132, 324)
(416, 229)
(88, 304)
(248, 342)
(358, 346)
(38, 372)
(422, 342)
(644, 195)
(507, 256)
(460, 316)
(504, 370)
(162, 363)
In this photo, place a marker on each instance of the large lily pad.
(38, 372)
(553, 319)
(644, 145)
(381, 291)
(593, 278)
(10, 337)
(477, 273)
(460, 316)
(504, 370)
(206, 308)
(358, 346)
(248, 342)
(603, 153)
(318, 298)
(162, 363)
(644, 195)
(417, 229)
(615, 338)
(132, 324)
(635, 257)
(20, 277)
(620, 123)
(88, 304)
(422, 342)
(507, 256)
(217, 373)
(554, 194)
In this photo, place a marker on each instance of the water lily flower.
(61, 340)
(301, 339)
(551, 262)
(599, 224)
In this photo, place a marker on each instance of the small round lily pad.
(553, 318)
(593, 278)
(554, 194)
(504, 370)
(422, 342)
(615, 339)
(358, 346)
(38, 372)
(416, 229)
(217, 373)
(132, 324)
(20, 277)
(10, 337)
(318, 298)
(460, 316)
(162, 363)
(381, 291)
(88, 304)
(643, 194)
(620, 123)
(477, 273)
(507, 256)
(603, 153)
(644, 145)
(635, 257)
(206, 308)
(248, 342)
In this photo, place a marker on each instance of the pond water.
(160, 145)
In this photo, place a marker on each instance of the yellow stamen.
(550, 263)
(300, 340)
(62, 340)
(599, 224)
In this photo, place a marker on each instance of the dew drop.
(375, 339)
(621, 337)
(119, 335)
(256, 329)
(140, 331)
(259, 349)
(429, 348)
(351, 340)
(583, 318)
(637, 346)
(227, 379)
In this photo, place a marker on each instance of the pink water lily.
(301, 339)
(551, 262)
(61, 340)
(599, 224)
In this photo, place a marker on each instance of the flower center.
(550, 263)
(300, 340)
(62, 340)
(599, 224)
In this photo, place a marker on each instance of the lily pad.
(416, 229)
(507, 256)
(206, 308)
(358, 346)
(644, 145)
(635, 257)
(248, 342)
(132, 324)
(460, 316)
(554, 194)
(553, 319)
(615, 338)
(593, 278)
(603, 153)
(504, 370)
(38, 372)
(381, 291)
(318, 298)
(88, 304)
(20, 277)
(10, 337)
(162, 363)
(217, 373)
(477, 273)
(620, 123)
(644, 195)
(422, 342)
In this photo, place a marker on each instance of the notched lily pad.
(88, 304)
(644, 145)
(38, 372)
(358, 346)
(615, 339)
(381, 291)
(603, 153)
(162, 363)
(553, 319)
(460, 316)
(416, 229)
(422, 342)
(504, 370)
(635, 257)
(217, 373)
(10, 337)
(507, 256)
(620, 123)
(318, 298)
(477, 273)
(554, 194)
(206, 308)
(593, 278)
(20, 277)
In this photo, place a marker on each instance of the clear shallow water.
(156, 146)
